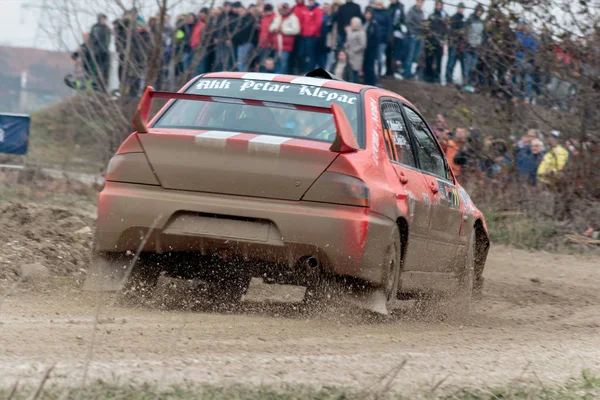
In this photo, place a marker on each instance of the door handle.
(403, 178)
(433, 187)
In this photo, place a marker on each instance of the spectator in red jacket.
(299, 11)
(296, 61)
(284, 27)
(265, 37)
(198, 45)
(198, 28)
(311, 19)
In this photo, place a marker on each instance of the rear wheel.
(458, 302)
(226, 290)
(379, 299)
(141, 283)
(392, 268)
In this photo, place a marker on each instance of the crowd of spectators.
(358, 45)
(536, 159)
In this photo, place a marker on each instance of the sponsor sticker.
(375, 132)
(258, 86)
(326, 94)
(263, 86)
(466, 199)
(206, 84)
(396, 125)
(448, 194)
(399, 140)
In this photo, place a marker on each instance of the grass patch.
(520, 231)
(23, 186)
(60, 140)
(21, 194)
(585, 388)
(48, 151)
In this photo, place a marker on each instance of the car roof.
(298, 79)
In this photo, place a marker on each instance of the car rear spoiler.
(345, 141)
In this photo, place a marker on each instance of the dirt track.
(539, 319)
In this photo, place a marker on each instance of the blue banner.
(14, 133)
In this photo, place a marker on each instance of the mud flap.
(367, 298)
(106, 275)
(373, 300)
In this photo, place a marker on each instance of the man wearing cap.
(373, 33)
(265, 38)
(474, 29)
(434, 45)
(456, 43)
(99, 43)
(395, 52)
(311, 18)
(284, 28)
(414, 38)
(224, 49)
(342, 18)
(384, 20)
(243, 35)
(555, 159)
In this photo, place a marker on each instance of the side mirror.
(140, 118)
(345, 141)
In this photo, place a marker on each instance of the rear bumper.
(347, 240)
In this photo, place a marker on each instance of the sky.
(23, 23)
(16, 26)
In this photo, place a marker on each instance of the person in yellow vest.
(555, 159)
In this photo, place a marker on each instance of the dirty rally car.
(287, 178)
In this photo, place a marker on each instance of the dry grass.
(585, 388)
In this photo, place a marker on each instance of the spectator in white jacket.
(356, 43)
(285, 27)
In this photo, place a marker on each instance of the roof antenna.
(323, 74)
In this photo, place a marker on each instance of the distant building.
(32, 79)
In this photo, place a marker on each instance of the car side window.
(430, 156)
(397, 141)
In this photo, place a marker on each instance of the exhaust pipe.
(310, 263)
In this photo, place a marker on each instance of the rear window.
(278, 115)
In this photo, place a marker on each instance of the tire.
(392, 268)
(377, 299)
(459, 301)
(142, 281)
(228, 293)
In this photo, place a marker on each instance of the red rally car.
(289, 175)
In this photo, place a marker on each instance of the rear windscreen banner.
(14, 133)
(281, 92)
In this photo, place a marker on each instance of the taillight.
(335, 188)
(131, 145)
(130, 164)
